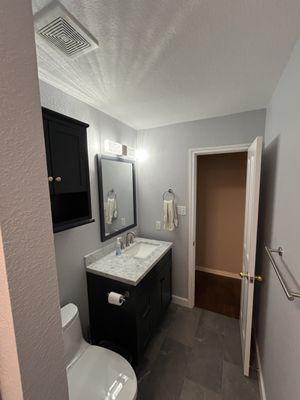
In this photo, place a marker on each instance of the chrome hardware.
(124, 297)
(58, 179)
(130, 238)
(291, 295)
(50, 178)
(122, 243)
(170, 192)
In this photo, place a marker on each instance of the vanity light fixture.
(113, 147)
(118, 149)
(128, 151)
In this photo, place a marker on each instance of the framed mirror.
(117, 196)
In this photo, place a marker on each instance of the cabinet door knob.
(50, 178)
(58, 179)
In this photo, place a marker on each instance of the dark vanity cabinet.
(131, 325)
(68, 170)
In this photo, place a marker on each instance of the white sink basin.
(141, 250)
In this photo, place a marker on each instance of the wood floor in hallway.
(218, 294)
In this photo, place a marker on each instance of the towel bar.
(291, 295)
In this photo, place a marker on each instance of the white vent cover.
(61, 30)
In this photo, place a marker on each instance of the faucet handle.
(130, 238)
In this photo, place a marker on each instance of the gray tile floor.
(195, 355)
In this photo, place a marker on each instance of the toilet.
(94, 373)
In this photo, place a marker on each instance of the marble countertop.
(127, 269)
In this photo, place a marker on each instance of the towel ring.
(112, 193)
(169, 191)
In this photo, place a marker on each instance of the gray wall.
(167, 166)
(73, 244)
(278, 320)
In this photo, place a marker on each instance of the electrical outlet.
(123, 221)
(181, 210)
(158, 225)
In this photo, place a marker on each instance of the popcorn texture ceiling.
(166, 61)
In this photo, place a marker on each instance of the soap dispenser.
(119, 246)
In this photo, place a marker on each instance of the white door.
(249, 253)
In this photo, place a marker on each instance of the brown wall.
(221, 190)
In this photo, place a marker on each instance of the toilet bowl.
(94, 373)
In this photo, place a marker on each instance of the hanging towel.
(170, 215)
(110, 210)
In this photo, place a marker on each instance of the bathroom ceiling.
(166, 61)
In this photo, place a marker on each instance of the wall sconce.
(141, 155)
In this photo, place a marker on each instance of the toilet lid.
(101, 374)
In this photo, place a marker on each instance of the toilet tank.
(74, 344)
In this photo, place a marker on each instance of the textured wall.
(278, 319)
(25, 217)
(73, 244)
(10, 377)
(167, 166)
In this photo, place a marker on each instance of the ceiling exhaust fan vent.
(61, 30)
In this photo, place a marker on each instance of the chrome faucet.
(130, 238)
(122, 243)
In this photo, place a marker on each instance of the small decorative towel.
(110, 210)
(170, 215)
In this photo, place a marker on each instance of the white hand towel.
(110, 210)
(170, 215)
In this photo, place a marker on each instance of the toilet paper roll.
(115, 298)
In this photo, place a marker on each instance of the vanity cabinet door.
(165, 283)
(144, 313)
(156, 303)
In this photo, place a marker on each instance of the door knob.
(58, 179)
(246, 275)
(258, 278)
(50, 178)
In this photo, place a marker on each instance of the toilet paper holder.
(124, 296)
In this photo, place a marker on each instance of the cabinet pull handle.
(58, 179)
(146, 312)
(50, 178)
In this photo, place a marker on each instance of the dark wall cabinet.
(68, 170)
(131, 325)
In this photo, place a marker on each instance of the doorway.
(220, 212)
(247, 273)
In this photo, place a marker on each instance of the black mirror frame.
(101, 197)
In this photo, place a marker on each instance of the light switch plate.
(181, 210)
(158, 225)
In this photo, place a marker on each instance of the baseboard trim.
(261, 383)
(181, 301)
(218, 272)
